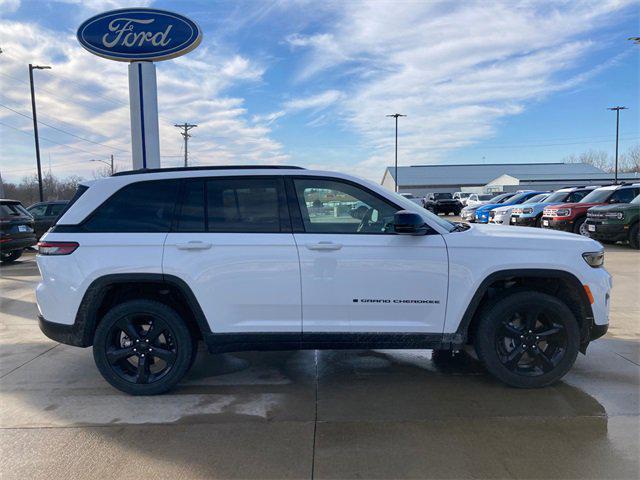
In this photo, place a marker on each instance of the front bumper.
(564, 224)
(521, 221)
(468, 217)
(612, 232)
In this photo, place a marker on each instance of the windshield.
(519, 198)
(500, 198)
(557, 197)
(537, 198)
(485, 197)
(442, 196)
(598, 196)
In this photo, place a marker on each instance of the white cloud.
(88, 96)
(457, 69)
(9, 6)
(314, 102)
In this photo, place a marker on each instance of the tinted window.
(244, 205)
(624, 195)
(139, 207)
(330, 206)
(38, 211)
(191, 217)
(597, 196)
(575, 197)
(537, 198)
(443, 196)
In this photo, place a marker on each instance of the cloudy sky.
(309, 83)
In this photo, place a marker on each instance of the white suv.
(145, 264)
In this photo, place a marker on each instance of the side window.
(331, 206)
(575, 197)
(55, 209)
(38, 211)
(191, 218)
(244, 204)
(624, 195)
(138, 207)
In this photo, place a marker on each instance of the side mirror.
(409, 223)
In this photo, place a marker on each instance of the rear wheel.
(634, 237)
(143, 347)
(528, 339)
(10, 257)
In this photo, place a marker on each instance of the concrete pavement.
(330, 414)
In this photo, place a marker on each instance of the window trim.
(283, 207)
(294, 203)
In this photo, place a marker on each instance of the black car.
(16, 230)
(45, 214)
(442, 203)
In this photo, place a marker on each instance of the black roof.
(216, 167)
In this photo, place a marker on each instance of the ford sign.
(134, 34)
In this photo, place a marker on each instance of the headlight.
(615, 215)
(594, 259)
(527, 210)
(563, 212)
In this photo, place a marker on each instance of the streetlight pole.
(35, 124)
(110, 164)
(617, 110)
(396, 115)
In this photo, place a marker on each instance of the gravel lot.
(329, 414)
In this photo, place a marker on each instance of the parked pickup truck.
(442, 203)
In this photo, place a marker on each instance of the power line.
(185, 133)
(64, 131)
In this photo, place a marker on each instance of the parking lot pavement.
(329, 414)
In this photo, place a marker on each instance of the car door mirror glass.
(409, 223)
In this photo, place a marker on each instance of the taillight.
(57, 248)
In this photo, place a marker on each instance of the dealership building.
(497, 177)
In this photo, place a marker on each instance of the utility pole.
(617, 110)
(110, 164)
(185, 133)
(396, 115)
(35, 124)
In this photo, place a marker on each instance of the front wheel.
(10, 257)
(580, 227)
(528, 339)
(143, 347)
(634, 237)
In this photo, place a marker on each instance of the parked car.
(476, 199)
(530, 215)
(442, 203)
(483, 212)
(410, 196)
(502, 215)
(16, 230)
(45, 214)
(144, 264)
(468, 213)
(617, 222)
(461, 197)
(571, 217)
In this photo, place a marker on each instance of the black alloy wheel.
(142, 347)
(528, 339)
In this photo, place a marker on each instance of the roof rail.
(212, 167)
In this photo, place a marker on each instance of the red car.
(571, 217)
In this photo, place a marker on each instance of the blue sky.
(309, 83)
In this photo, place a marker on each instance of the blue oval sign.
(132, 34)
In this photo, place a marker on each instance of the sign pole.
(143, 100)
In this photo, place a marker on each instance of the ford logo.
(134, 34)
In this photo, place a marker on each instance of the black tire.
(10, 257)
(634, 236)
(538, 222)
(163, 342)
(528, 339)
(580, 227)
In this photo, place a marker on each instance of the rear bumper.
(18, 243)
(68, 334)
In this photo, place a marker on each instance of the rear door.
(232, 244)
(357, 274)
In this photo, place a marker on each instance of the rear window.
(13, 210)
(138, 207)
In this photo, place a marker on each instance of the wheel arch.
(559, 283)
(110, 290)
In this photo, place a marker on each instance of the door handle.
(193, 245)
(324, 246)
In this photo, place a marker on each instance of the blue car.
(530, 215)
(482, 213)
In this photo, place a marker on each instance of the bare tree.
(630, 160)
(54, 189)
(598, 158)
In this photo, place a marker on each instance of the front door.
(357, 274)
(232, 244)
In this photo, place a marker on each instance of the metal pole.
(396, 154)
(617, 137)
(186, 145)
(35, 132)
(112, 164)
